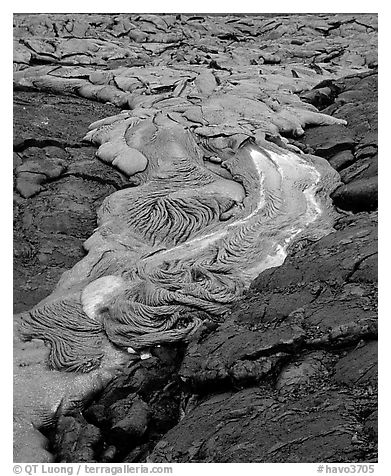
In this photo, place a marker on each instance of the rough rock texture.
(295, 357)
(136, 409)
(60, 214)
(256, 426)
(319, 297)
(303, 341)
(352, 150)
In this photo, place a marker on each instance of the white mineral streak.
(284, 164)
(98, 292)
(144, 355)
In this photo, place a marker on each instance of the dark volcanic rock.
(76, 440)
(361, 169)
(304, 370)
(341, 160)
(139, 405)
(316, 299)
(358, 367)
(357, 195)
(129, 420)
(299, 322)
(31, 174)
(47, 119)
(64, 184)
(250, 426)
(352, 150)
(328, 140)
(320, 97)
(238, 355)
(371, 426)
(321, 300)
(49, 233)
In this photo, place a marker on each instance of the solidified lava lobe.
(162, 255)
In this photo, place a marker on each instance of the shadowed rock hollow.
(217, 191)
